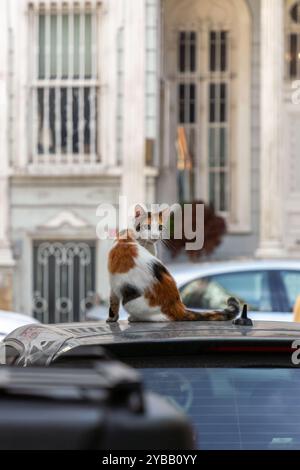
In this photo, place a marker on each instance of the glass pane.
(63, 108)
(40, 92)
(76, 45)
(223, 98)
(212, 93)
(187, 103)
(75, 120)
(291, 281)
(234, 408)
(193, 52)
(88, 46)
(181, 99)
(89, 101)
(223, 91)
(192, 145)
(212, 56)
(192, 103)
(293, 55)
(53, 46)
(181, 91)
(42, 39)
(223, 149)
(212, 191)
(52, 146)
(212, 292)
(223, 51)
(65, 45)
(211, 151)
(223, 194)
(181, 52)
(46, 122)
(217, 146)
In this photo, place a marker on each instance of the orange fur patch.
(165, 295)
(122, 256)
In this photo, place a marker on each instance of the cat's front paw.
(112, 319)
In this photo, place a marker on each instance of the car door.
(212, 292)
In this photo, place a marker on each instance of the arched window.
(207, 81)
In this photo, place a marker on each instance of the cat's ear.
(139, 211)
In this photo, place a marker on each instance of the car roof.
(121, 332)
(184, 272)
(41, 344)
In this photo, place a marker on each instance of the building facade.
(93, 94)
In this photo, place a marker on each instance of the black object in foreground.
(100, 407)
(243, 320)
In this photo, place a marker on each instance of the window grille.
(211, 117)
(218, 118)
(64, 82)
(63, 280)
(187, 90)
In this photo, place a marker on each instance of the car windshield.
(234, 408)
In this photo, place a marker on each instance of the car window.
(213, 291)
(291, 282)
(234, 408)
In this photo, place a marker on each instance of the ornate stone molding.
(65, 219)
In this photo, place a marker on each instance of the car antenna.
(243, 320)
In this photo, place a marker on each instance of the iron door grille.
(63, 280)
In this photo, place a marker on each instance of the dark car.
(238, 384)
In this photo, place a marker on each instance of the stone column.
(6, 260)
(133, 177)
(271, 125)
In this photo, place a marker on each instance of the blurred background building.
(95, 96)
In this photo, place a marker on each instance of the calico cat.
(143, 284)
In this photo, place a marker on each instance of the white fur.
(142, 278)
(150, 246)
(139, 310)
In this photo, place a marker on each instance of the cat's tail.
(229, 313)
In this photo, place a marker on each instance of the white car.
(270, 288)
(9, 321)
